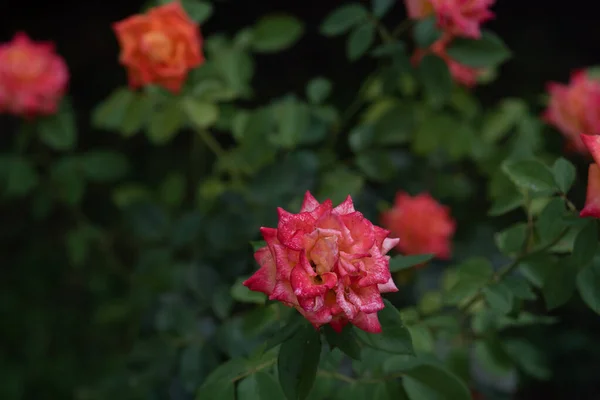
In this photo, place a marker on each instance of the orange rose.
(160, 46)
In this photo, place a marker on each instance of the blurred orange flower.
(160, 46)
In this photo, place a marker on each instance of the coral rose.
(422, 224)
(33, 78)
(462, 74)
(455, 17)
(592, 199)
(160, 46)
(418, 9)
(575, 109)
(329, 263)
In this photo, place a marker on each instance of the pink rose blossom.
(33, 78)
(462, 17)
(575, 109)
(327, 262)
(592, 200)
(455, 17)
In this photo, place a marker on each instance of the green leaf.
(511, 240)
(276, 32)
(395, 126)
(530, 174)
(344, 18)
(137, 114)
(588, 284)
(259, 386)
(111, 113)
(586, 244)
(499, 122)
(431, 381)
(339, 182)
(528, 358)
(519, 287)
(360, 40)
(198, 11)
(130, 193)
(473, 274)
(68, 180)
(381, 7)
(293, 323)
(488, 51)
(222, 390)
(22, 177)
(165, 123)
(426, 32)
(78, 242)
(292, 118)
(172, 189)
(59, 131)
(202, 114)
(550, 223)
(436, 79)
(564, 174)
(505, 203)
(298, 361)
(242, 294)
(394, 337)
(345, 340)
(104, 165)
(558, 284)
(499, 297)
(377, 165)
(398, 263)
(318, 89)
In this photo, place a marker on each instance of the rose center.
(23, 64)
(157, 46)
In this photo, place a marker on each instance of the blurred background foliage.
(129, 295)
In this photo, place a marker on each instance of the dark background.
(549, 40)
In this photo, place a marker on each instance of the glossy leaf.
(360, 40)
(276, 32)
(298, 361)
(343, 18)
(488, 51)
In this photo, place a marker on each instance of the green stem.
(216, 148)
(507, 269)
(401, 28)
(568, 202)
(24, 137)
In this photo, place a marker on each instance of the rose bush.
(486, 227)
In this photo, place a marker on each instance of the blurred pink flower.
(455, 17)
(575, 109)
(33, 78)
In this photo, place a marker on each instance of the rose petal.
(592, 200)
